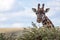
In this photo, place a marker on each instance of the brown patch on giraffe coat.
(47, 23)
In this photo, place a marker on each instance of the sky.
(18, 13)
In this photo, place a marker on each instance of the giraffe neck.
(47, 22)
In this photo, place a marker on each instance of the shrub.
(2, 36)
(36, 33)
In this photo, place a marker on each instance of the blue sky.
(18, 13)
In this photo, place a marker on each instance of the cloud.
(2, 17)
(6, 4)
(56, 21)
(23, 17)
(54, 8)
(17, 25)
(20, 24)
(8, 10)
(25, 13)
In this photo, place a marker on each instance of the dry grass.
(4, 30)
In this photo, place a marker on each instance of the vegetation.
(34, 33)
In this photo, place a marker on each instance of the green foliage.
(41, 33)
(34, 33)
(1, 36)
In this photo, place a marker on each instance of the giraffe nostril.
(39, 20)
(36, 13)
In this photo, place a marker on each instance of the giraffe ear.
(47, 9)
(34, 9)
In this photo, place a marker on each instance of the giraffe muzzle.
(39, 20)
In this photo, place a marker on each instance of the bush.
(40, 34)
(2, 36)
(34, 33)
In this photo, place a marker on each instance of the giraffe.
(41, 17)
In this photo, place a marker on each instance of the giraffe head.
(40, 12)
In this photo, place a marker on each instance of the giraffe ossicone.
(41, 17)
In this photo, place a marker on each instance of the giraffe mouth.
(39, 20)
